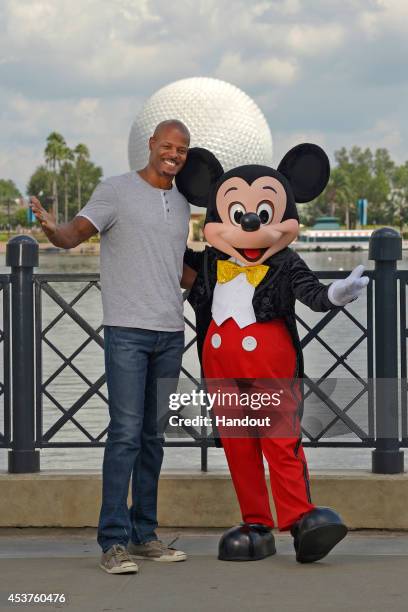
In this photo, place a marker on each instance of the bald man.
(143, 223)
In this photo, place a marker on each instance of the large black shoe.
(316, 533)
(248, 542)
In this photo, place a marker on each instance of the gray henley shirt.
(143, 237)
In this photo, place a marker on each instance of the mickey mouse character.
(244, 288)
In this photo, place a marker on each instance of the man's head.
(168, 148)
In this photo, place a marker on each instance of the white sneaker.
(116, 560)
(155, 550)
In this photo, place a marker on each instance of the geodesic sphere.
(220, 117)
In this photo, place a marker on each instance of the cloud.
(103, 125)
(385, 133)
(291, 7)
(72, 48)
(330, 71)
(265, 71)
(312, 40)
(388, 15)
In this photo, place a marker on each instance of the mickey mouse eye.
(265, 212)
(236, 212)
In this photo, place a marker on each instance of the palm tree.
(81, 154)
(53, 154)
(340, 195)
(67, 156)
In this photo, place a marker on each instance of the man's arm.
(188, 278)
(67, 235)
(193, 260)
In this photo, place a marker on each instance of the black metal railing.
(5, 435)
(380, 342)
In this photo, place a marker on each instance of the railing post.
(385, 249)
(22, 256)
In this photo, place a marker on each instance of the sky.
(326, 71)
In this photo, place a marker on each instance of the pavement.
(367, 572)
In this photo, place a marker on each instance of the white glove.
(343, 291)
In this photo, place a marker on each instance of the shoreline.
(93, 248)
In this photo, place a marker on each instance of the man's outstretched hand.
(343, 291)
(45, 218)
(66, 235)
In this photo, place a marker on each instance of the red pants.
(259, 351)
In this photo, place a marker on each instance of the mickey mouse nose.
(250, 222)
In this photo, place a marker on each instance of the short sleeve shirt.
(143, 234)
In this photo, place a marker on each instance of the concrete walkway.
(368, 572)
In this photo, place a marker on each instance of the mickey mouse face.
(249, 214)
(265, 198)
(251, 210)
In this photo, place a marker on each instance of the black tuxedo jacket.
(288, 279)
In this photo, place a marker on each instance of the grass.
(39, 236)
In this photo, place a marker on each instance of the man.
(143, 222)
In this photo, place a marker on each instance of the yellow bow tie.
(227, 270)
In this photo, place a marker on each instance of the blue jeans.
(134, 360)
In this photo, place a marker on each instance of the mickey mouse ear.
(307, 169)
(200, 172)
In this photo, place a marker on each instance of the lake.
(68, 386)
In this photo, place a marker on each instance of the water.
(66, 336)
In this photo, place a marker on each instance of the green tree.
(81, 156)
(398, 196)
(9, 196)
(90, 176)
(308, 213)
(40, 183)
(20, 218)
(378, 191)
(383, 164)
(54, 153)
(343, 196)
(68, 171)
(67, 156)
(361, 169)
(356, 169)
(335, 201)
(8, 190)
(360, 173)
